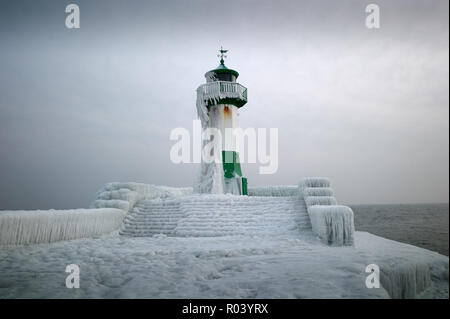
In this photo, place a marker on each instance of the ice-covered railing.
(213, 92)
(314, 182)
(125, 195)
(333, 223)
(317, 191)
(320, 200)
(277, 191)
(45, 226)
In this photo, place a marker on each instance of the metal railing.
(222, 89)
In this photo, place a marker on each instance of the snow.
(333, 224)
(275, 266)
(29, 227)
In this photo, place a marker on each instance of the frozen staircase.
(217, 215)
(150, 217)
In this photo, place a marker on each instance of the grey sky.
(80, 108)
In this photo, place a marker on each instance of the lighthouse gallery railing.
(215, 91)
(218, 92)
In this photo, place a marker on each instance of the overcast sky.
(367, 108)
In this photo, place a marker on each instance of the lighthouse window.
(224, 77)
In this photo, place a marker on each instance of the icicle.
(30, 227)
(211, 93)
(406, 280)
(333, 224)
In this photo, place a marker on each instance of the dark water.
(423, 225)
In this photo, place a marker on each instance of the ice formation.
(271, 233)
(211, 93)
(406, 271)
(202, 107)
(276, 191)
(283, 266)
(333, 223)
(217, 116)
(178, 212)
(209, 179)
(317, 191)
(320, 200)
(125, 195)
(155, 209)
(314, 182)
(30, 227)
(217, 215)
(405, 281)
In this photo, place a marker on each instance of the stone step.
(216, 216)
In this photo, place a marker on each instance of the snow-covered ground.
(210, 246)
(275, 266)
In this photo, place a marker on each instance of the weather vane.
(222, 54)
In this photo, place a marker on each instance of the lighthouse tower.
(218, 102)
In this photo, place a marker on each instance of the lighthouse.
(218, 104)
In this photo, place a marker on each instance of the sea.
(423, 225)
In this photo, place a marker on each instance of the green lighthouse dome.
(222, 73)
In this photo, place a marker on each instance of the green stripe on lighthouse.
(231, 164)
